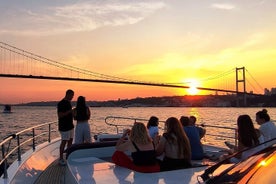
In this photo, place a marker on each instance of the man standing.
(65, 123)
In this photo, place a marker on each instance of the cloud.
(223, 6)
(82, 16)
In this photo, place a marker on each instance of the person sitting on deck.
(247, 137)
(174, 145)
(141, 147)
(194, 138)
(152, 126)
(201, 131)
(267, 127)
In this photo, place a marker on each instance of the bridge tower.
(240, 78)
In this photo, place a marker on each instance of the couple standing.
(65, 122)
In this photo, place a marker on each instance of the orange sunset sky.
(173, 41)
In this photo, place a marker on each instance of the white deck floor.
(95, 170)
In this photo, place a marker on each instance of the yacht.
(7, 109)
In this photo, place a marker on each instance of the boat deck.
(53, 174)
(91, 163)
(95, 170)
(85, 166)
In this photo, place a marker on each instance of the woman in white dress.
(82, 114)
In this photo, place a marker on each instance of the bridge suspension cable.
(258, 84)
(219, 75)
(55, 63)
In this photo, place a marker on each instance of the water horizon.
(27, 116)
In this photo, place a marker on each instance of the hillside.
(177, 101)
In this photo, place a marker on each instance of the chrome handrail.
(18, 145)
(109, 120)
(223, 136)
(113, 118)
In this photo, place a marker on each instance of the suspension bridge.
(19, 63)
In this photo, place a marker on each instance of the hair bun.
(264, 111)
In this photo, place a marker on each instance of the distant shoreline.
(175, 101)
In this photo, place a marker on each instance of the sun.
(193, 84)
(192, 90)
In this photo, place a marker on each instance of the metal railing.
(18, 141)
(235, 137)
(117, 122)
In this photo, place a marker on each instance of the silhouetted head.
(262, 117)
(81, 101)
(184, 120)
(246, 131)
(69, 94)
(153, 121)
(139, 133)
(192, 120)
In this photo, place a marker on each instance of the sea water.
(27, 116)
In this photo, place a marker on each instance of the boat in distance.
(91, 163)
(7, 109)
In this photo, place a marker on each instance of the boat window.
(265, 173)
(245, 169)
(244, 166)
(251, 157)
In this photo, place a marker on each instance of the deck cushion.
(121, 159)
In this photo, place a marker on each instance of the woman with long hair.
(247, 138)
(175, 146)
(82, 114)
(247, 135)
(142, 149)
